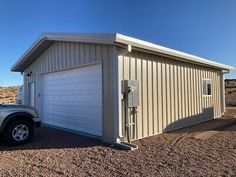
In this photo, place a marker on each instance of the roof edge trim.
(111, 39)
(171, 52)
(105, 38)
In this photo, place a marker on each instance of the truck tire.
(18, 132)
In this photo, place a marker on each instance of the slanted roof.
(46, 39)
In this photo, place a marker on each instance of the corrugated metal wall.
(66, 55)
(170, 93)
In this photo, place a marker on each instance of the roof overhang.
(44, 41)
(170, 52)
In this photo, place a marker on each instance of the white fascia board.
(171, 52)
(82, 37)
(65, 37)
(110, 39)
(33, 47)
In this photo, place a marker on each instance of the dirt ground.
(58, 153)
(8, 94)
(231, 111)
(230, 92)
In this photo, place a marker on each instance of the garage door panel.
(58, 115)
(71, 127)
(73, 109)
(73, 99)
(74, 122)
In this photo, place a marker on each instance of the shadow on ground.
(50, 138)
(213, 124)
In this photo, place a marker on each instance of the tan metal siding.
(140, 110)
(170, 92)
(110, 92)
(66, 55)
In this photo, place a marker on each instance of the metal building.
(77, 82)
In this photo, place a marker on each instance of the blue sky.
(206, 28)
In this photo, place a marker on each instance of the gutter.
(112, 39)
(227, 71)
(169, 52)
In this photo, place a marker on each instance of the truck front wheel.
(18, 132)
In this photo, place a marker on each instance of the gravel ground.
(58, 153)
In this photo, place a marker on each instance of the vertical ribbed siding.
(110, 93)
(65, 55)
(68, 55)
(170, 93)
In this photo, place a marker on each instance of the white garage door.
(73, 99)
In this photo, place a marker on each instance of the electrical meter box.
(131, 91)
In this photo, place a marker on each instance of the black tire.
(12, 126)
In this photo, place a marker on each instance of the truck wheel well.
(18, 117)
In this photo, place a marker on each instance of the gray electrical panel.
(131, 91)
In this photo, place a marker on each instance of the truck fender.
(13, 116)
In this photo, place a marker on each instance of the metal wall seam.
(170, 93)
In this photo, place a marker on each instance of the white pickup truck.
(17, 123)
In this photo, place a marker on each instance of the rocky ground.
(8, 94)
(58, 153)
(230, 92)
(192, 151)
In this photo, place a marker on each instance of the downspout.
(119, 143)
(124, 52)
(223, 91)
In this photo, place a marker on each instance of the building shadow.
(204, 121)
(51, 138)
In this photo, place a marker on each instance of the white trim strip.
(111, 39)
(164, 50)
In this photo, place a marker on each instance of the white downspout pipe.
(223, 110)
(119, 142)
(122, 53)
